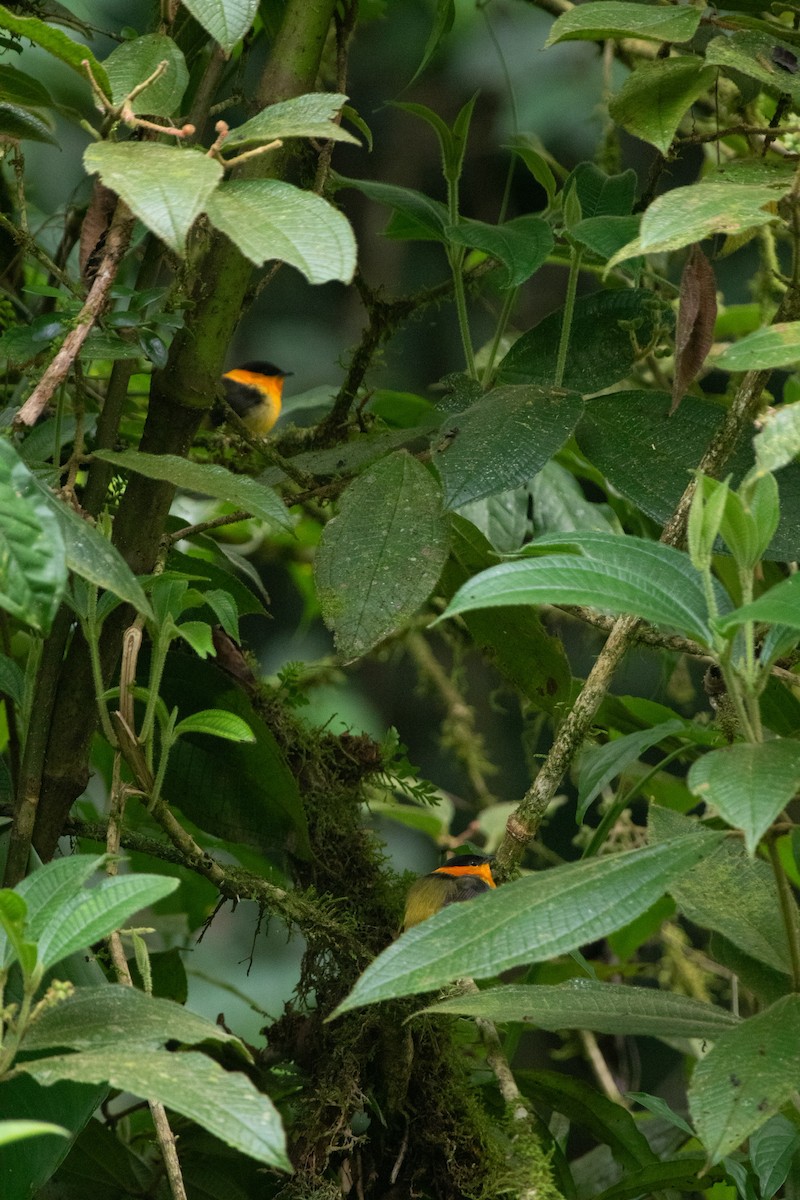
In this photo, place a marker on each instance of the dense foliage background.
(513, 574)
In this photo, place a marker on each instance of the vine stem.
(569, 309)
(788, 911)
(502, 323)
(460, 296)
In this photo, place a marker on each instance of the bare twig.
(119, 236)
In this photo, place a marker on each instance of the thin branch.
(119, 235)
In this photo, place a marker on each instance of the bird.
(461, 878)
(254, 391)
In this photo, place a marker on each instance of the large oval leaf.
(601, 19)
(133, 62)
(206, 478)
(226, 20)
(601, 1007)
(270, 219)
(224, 1102)
(611, 573)
(747, 1077)
(503, 440)
(380, 558)
(748, 784)
(164, 186)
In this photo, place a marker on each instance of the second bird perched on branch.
(461, 878)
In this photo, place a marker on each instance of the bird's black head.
(467, 860)
(262, 368)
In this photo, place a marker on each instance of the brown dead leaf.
(697, 312)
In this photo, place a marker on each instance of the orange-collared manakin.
(254, 392)
(461, 878)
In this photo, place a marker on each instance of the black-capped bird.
(461, 878)
(254, 392)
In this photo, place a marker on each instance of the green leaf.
(529, 920)
(609, 333)
(772, 1148)
(690, 214)
(601, 195)
(648, 456)
(33, 569)
(17, 1131)
(92, 556)
(502, 519)
(98, 911)
(748, 784)
(12, 680)
(13, 917)
(311, 116)
(778, 442)
(750, 518)
(430, 215)
(776, 346)
(536, 162)
(165, 187)
(18, 123)
(205, 478)
(604, 236)
(452, 142)
(601, 19)
(133, 62)
(704, 893)
(270, 219)
(381, 556)
(521, 245)
(514, 639)
(57, 43)
(655, 97)
(607, 1122)
(216, 723)
(48, 888)
(111, 1015)
(601, 1007)
(224, 1102)
(26, 1166)
(559, 504)
(611, 573)
(502, 441)
(746, 1078)
(18, 87)
(198, 635)
(600, 764)
(442, 24)
(705, 517)
(680, 1173)
(226, 20)
(779, 605)
(751, 53)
